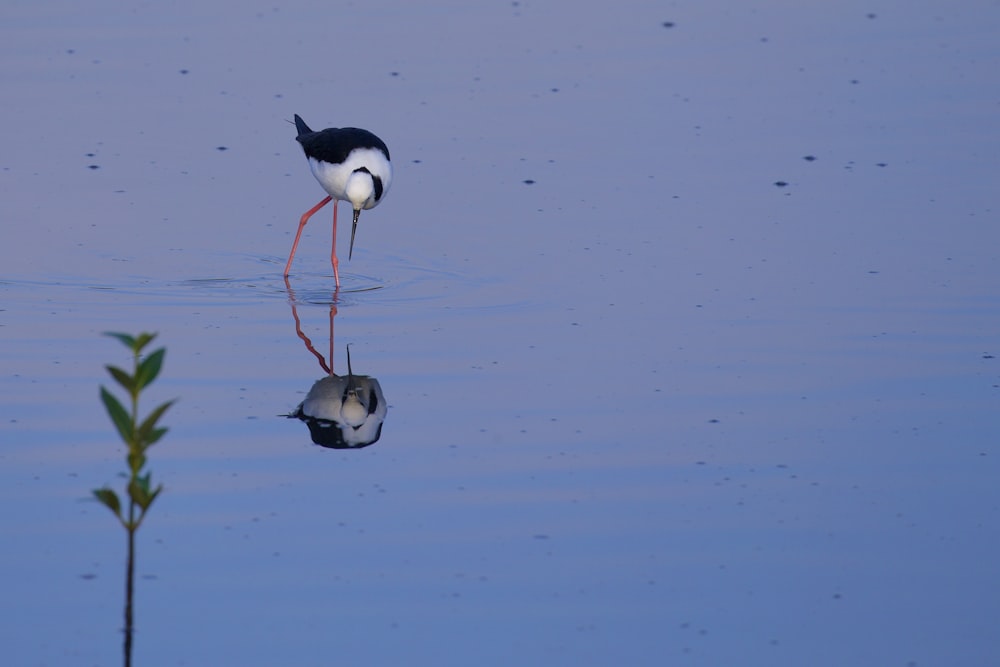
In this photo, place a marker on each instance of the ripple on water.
(403, 281)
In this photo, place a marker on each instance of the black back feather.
(334, 144)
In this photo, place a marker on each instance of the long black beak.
(354, 229)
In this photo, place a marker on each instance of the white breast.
(333, 177)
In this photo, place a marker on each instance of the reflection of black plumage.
(344, 412)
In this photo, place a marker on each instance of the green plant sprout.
(138, 436)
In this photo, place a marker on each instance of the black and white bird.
(352, 165)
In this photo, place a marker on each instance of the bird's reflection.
(341, 411)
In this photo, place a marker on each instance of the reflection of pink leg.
(333, 252)
(302, 223)
(305, 339)
(333, 313)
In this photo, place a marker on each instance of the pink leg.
(302, 223)
(333, 252)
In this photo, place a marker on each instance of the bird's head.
(363, 190)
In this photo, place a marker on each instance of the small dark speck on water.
(873, 272)
(416, 162)
(541, 536)
(987, 355)
(185, 71)
(713, 421)
(809, 158)
(781, 184)
(222, 148)
(669, 24)
(393, 73)
(872, 15)
(881, 164)
(93, 166)
(528, 181)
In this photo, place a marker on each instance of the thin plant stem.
(129, 587)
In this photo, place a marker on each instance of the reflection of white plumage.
(352, 165)
(344, 412)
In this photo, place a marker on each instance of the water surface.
(686, 317)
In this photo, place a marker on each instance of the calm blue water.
(687, 333)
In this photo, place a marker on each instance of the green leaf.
(148, 427)
(139, 491)
(136, 460)
(154, 436)
(142, 340)
(150, 497)
(126, 340)
(110, 500)
(122, 378)
(149, 368)
(118, 415)
(138, 488)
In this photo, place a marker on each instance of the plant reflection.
(341, 411)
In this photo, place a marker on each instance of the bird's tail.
(301, 126)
